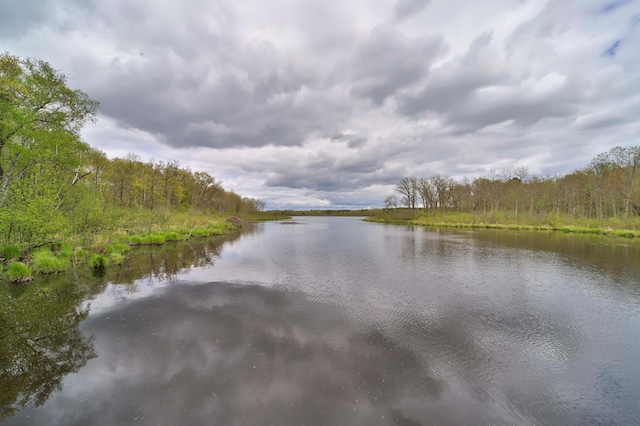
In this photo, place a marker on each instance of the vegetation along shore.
(601, 198)
(64, 204)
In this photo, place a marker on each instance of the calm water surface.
(333, 321)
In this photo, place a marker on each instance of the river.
(335, 321)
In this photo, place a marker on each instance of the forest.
(63, 202)
(53, 185)
(604, 194)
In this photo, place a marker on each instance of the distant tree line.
(327, 212)
(53, 183)
(609, 187)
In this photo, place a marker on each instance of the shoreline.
(610, 232)
(106, 250)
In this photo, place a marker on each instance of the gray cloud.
(388, 60)
(457, 80)
(18, 18)
(406, 8)
(205, 106)
(324, 172)
(353, 141)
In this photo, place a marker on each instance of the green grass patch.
(117, 248)
(98, 262)
(147, 240)
(79, 254)
(116, 259)
(615, 227)
(66, 252)
(18, 272)
(172, 236)
(46, 262)
(10, 252)
(157, 239)
(135, 240)
(200, 232)
(270, 215)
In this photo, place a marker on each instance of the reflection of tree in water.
(167, 261)
(40, 342)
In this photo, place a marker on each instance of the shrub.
(18, 272)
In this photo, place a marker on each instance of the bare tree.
(426, 193)
(408, 189)
(442, 190)
(627, 159)
(391, 202)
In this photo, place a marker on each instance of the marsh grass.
(171, 236)
(79, 254)
(135, 240)
(19, 272)
(219, 228)
(116, 259)
(117, 248)
(157, 239)
(98, 262)
(10, 252)
(46, 262)
(265, 216)
(615, 227)
(104, 248)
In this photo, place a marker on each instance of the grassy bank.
(269, 215)
(616, 227)
(105, 248)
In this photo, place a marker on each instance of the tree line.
(53, 183)
(609, 187)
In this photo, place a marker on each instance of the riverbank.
(103, 249)
(614, 227)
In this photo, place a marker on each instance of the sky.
(325, 104)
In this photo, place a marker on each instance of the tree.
(37, 111)
(442, 190)
(627, 159)
(425, 191)
(408, 190)
(391, 202)
(40, 149)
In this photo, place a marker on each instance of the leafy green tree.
(40, 147)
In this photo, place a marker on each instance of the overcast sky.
(327, 104)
